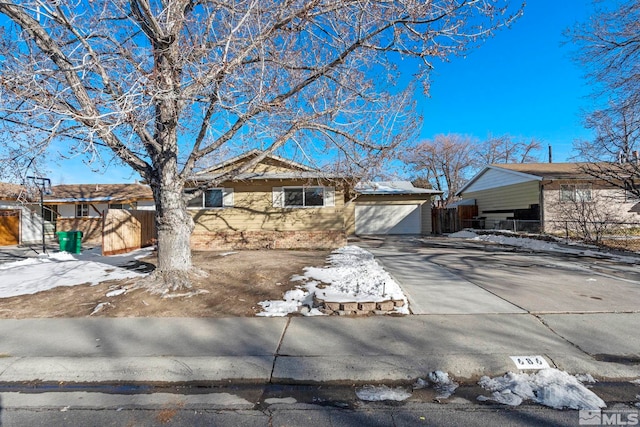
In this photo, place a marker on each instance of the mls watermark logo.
(609, 417)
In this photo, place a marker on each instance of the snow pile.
(293, 301)
(46, 272)
(549, 387)
(538, 245)
(352, 276)
(442, 384)
(379, 393)
(464, 234)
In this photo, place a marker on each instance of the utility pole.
(43, 184)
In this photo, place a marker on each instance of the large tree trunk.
(174, 225)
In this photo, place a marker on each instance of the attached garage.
(388, 219)
(9, 227)
(389, 208)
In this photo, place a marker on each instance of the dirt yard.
(234, 286)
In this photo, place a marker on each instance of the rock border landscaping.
(358, 308)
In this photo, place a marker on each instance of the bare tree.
(162, 84)
(589, 216)
(445, 161)
(507, 149)
(609, 50)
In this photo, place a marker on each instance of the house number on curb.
(530, 362)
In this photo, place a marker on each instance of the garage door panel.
(9, 228)
(388, 219)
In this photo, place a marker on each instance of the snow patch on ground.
(537, 245)
(550, 387)
(352, 276)
(371, 393)
(442, 384)
(48, 271)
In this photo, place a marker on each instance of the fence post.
(566, 231)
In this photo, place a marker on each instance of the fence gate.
(450, 220)
(9, 227)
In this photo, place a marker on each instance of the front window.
(296, 197)
(127, 206)
(212, 198)
(82, 210)
(575, 193)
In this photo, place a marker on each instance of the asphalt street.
(473, 306)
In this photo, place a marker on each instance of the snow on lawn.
(550, 387)
(353, 276)
(48, 271)
(536, 245)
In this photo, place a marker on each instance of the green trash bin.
(70, 241)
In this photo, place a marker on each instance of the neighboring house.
(82, 206)
(539, 195)
(283, 204)
(392, 207)
(20, 219)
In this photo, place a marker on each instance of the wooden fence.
(125, 231)
(450, 220)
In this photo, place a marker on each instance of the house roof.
(534, 172)
(242, 158)
(294, 170)
(10, 191)
(547, 170)
(98, 193)
(392, 187)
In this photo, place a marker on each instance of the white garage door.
(388, 219)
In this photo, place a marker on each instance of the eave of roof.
(392, 187)
(251, 176)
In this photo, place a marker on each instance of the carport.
(389, 208)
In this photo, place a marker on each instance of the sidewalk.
(285, 350)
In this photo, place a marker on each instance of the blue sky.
(521, 82)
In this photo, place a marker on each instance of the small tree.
(445, 161)
(162, 84)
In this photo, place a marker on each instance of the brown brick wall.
(267, 240)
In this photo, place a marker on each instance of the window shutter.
(329, 196)
(278, 197)
(227, 197)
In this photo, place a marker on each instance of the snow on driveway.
(49, 271)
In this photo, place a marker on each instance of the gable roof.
(392, 187)
(243, 158)
(289, 169)
(71, 193)
(532, 172)
(548, 170)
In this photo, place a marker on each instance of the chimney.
(550, 158)
(635, 156)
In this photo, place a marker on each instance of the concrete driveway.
(457, 276)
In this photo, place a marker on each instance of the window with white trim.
(303, 197)
(128, 206)
(82, 210)
(211, 198)
(575, 192)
